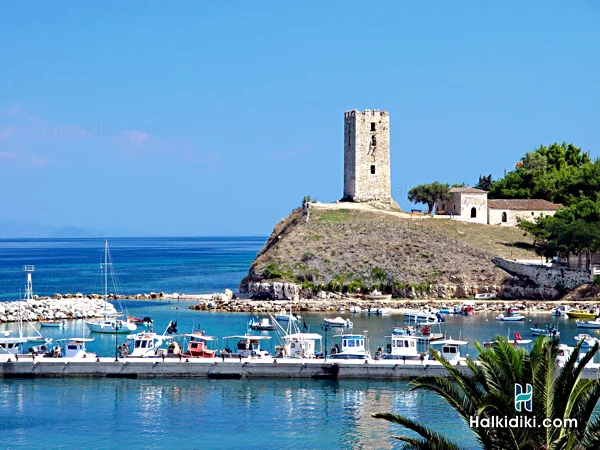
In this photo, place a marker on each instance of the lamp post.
(117, 328)
(325, 327)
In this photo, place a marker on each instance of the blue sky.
(216, 118)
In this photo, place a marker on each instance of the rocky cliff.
(336, 248)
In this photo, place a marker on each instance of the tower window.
(373, 141)
(473, 213)
(504, 218)
(372, 169)
(372, 126)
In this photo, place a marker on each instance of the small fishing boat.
(504, 318)
(518, 340)
(246, 347)
(339, 322)
(421, 314)
(580, 314)
(283, 316)
(355, 309)
(53, 323)
(401, 347)
(263, 324)
(451, 350)
(199, 346)
(406, 331)
(300, 345)
(548, 330)
(485, 296)
(353, 346)
(588, 341)
(561, 311)
(589, 324)
(75, 348)
(134, 319)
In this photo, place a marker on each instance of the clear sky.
(216, 118)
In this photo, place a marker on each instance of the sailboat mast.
(105, 273)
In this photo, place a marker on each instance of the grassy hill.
(350, 246)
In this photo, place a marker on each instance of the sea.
(202, 413)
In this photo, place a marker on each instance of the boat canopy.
(350, 336)
(449, 342)
(76, 339)
(202, 337)
(308, 336)
(247, 337)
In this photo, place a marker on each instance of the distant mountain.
(12, 229)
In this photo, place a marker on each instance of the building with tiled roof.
(469, 204)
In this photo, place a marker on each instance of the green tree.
(485, 182)
(429, 194)
(488, 391)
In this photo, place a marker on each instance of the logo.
(523, 397)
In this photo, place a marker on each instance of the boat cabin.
(301, 345)
(245, 347)
(353, 346)
(141, 345)
(198, 346)
(402, 347)
(11, 346)
(75, 348)
(451, 349)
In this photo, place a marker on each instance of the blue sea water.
(199, 413)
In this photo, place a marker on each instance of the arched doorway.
(504, 218)
(473, 213)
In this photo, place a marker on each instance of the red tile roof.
(466, 190)
(524, 205)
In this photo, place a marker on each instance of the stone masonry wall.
(460, 204)
(367, 150)
(495, 216)
(543, 276)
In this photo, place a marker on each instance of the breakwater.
(50, 309)
(28, 367)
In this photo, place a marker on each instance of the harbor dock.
(27, 367)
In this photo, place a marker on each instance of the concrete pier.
(27, 367)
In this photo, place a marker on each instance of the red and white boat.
(198, 346)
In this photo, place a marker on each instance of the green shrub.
(596, 279)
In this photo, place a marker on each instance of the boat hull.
(581, 324)
(109, 329)
(580, 315)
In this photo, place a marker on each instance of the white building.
(466, 203)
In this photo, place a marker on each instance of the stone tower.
(367, 156)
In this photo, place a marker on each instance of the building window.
(504, 218)
(373, 141)
(372, 169)
(532, 213)
(372, 158)
(372, 126)
(454, 207)
(473, 213)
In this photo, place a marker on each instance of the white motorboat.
(301, 345)
(561, 311)
(355, 309)
(283, 316)
(451, 349)
(353, 346)
(504, 318)
(53, 323)
(263, 324)
(110, 324)
(245, 347)
(485, 296)
(401, 347)
(75, 348)
(339, 322)
(588, 341)
(588, 324)
(143, 345)
(421, 314)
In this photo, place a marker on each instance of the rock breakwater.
(54, 309)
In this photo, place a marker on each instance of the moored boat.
(263, 324)
(580, 314)
(199, 346)
(353, 346)
(588, 341)
(561, 311)
(53, 323)
(401, 347)
(504, 318)
(339, 322)
(588, 324)
(355, 309)
(451, 350)
(485, 296)
(548, 330)
(300, 345)
(245, 347)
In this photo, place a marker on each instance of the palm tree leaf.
(432, 439)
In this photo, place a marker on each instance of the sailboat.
(110, 325)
